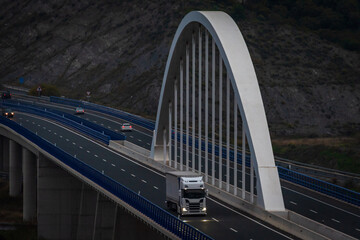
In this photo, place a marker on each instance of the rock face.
(117, 50)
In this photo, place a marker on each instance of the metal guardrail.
(154, 212)
(110, 111)
(113, 135)
(84, 129)
(320, 186)
(323, 187)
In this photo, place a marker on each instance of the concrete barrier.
(288, 221)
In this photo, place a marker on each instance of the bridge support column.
(58, 201)
(5, 154)
(29, 172)
(15, 177)
(128, 226)
(104, 220)
(86, 213)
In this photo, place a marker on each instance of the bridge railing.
(309, 182)
(288, 174)
(113, 135)
(82, 128)
(107, 110)
(154, 212)
(320, 186)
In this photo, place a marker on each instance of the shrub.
(47, 90)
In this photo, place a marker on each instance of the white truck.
(186, 193)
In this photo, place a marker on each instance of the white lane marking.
(74, 143)
(293, 202)
(215, 220)
(116, 130)
(94, 121)
(113, 165)
(104, 159)
(133, 175)
(61, 136)
(357, 229)
(55, 133)
(38, 125)
(109, 127)
(102, 124)
(96, 155)
(107, 149)
(87, 151)
(131, 136)
(156, 187)
(123, 170)
(80, 147)
(322, 202)
(335, 220)
(33, 122)
(248, 218)
(49, 130)
(148, 144)
(67, 140)
(139, 140)
(313, 211)
(143, 181)
(27, 120)
(233, 230)
(44, 128)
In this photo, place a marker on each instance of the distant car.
(6, 95)
(79, 110)
(7, 113)
(126, 127)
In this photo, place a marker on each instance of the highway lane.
(221, 221)
(307, 204)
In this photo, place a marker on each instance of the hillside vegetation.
(305, 53)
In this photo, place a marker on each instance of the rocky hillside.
(117, 50)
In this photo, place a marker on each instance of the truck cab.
(186, 193)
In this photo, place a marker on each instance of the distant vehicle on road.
(79, 110)
(126, 127)
(6, 95)
(7, 112)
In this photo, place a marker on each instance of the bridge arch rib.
(189, 50)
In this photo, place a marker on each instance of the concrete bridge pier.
(5, 154)
(58, 197)
(29, 165)
(15, 174)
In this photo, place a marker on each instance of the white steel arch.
(234, 55)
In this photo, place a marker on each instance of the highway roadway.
(333, 213)
(220, 223)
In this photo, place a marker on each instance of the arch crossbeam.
(209, 70)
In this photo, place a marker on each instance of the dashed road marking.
(61, 136)
(49, 130)
(139, 140)
(148, 144)
(109, 127)
(96, 155)
(113, 165)
(357, 229)
(116, 130)
(87, 151)
(74, 143)
(102, 124)
(215, 220)
(313, 211)
(33, 122)
(133, 175)
(293, 202)
(38, 125)
(131, 136)
(335, 220)
(156, 187)
(67, 139)
(27, 120)
(80, 147)
(143, 181)
(233, 230)
(104, 159)
(123, 170)
(55, 133)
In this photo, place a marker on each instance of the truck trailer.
(186, 193)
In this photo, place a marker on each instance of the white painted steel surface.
(240, 71)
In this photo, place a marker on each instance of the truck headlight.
(184, 209)
(204, 209)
